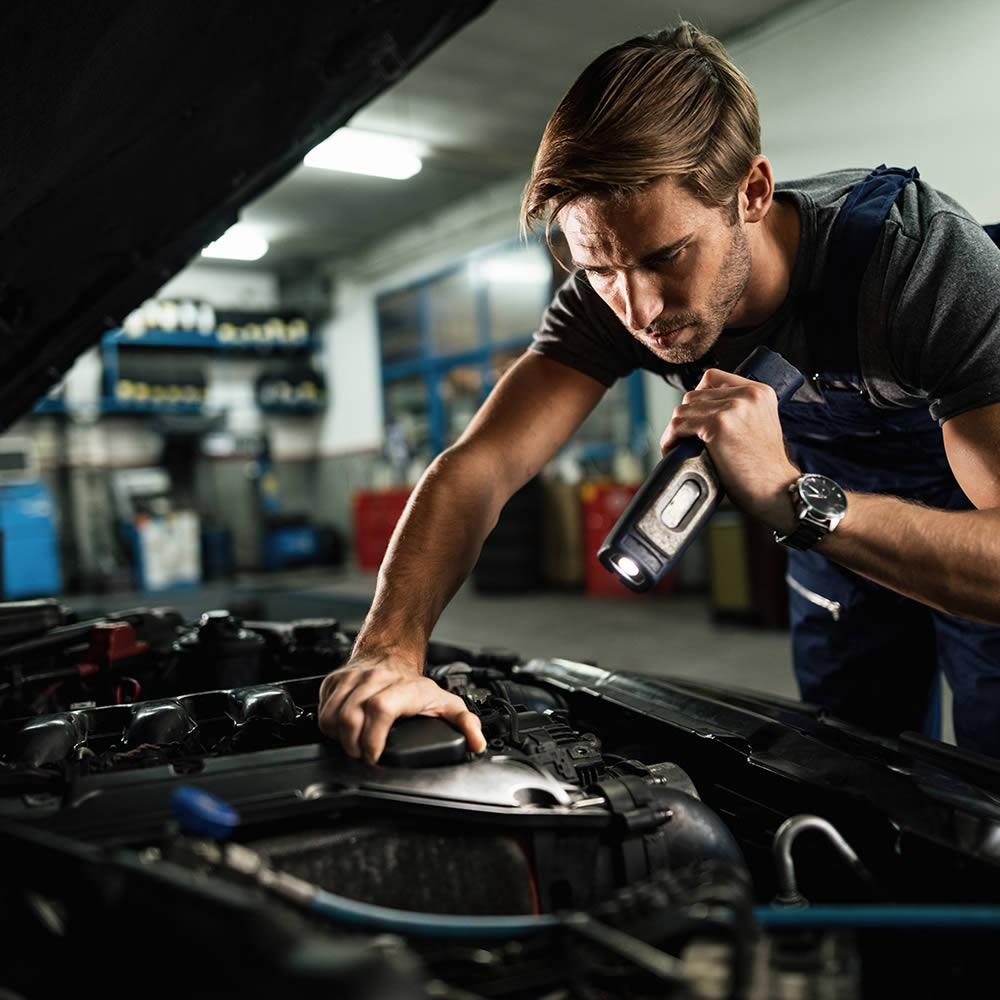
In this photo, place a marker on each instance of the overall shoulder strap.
(852, 241)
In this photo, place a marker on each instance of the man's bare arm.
(947, 559)
(528, 417)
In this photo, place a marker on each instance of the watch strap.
(806, 534)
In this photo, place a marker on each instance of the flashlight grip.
(677, 498)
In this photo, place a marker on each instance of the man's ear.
(757, 190)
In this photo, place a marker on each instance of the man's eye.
(669, 258)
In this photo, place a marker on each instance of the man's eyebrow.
(666, 251)
(658, 254)
(590, 267)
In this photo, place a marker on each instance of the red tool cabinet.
(602, 506)
(375, 515)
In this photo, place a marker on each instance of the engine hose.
(788, 892)
(940, 917)
(385, 918)
(448, 925)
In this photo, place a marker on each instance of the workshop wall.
(355, 420)
(225, 288)
(904, 82)
(352, 434)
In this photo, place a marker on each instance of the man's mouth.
(661, 339)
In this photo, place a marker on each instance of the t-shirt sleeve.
(578, 329)
(944, 334)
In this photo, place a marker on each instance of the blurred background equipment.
(31, 562)
(163, 539)
(288, 538)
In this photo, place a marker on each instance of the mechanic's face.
(671, 267)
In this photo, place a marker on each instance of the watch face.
(823, 495)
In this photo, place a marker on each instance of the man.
(687, 257)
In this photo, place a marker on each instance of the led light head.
(627, 567)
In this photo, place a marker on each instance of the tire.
(510, 560)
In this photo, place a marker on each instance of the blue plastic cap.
(202, 814)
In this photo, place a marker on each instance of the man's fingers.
(336, 688)
(349, 686)
(358, 706)
(714, 378)
(369, 704)
(421, 696)
(471, 728)
(720, 399)
(380, 712)
(332, 692)
(343, 715)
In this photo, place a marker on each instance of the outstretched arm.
(528, 417)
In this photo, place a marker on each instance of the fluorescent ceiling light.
(518, 268)
(238, 242)
(355, 151)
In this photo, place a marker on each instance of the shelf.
(269, 338)
(49, 404)
(258, 340)
(109, 405)
(295, 408)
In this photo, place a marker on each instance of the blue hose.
(880, 915)
(428, 924)
(447, 925)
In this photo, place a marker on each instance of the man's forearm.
(947, 559)
(432, 551)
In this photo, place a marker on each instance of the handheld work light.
(679, 495)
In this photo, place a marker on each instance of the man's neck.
(774, 244)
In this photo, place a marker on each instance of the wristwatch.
(820, 506)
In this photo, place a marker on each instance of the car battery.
(31, 563)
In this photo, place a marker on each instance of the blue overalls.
(865, 653)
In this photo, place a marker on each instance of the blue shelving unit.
(216, 341)
(263, 343)
(267, 342)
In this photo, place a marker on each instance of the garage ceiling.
(480, 103)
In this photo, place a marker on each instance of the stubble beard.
(707, 327)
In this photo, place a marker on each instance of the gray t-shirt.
(929, 308)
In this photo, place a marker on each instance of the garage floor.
(652, 633)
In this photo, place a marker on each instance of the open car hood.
(134, 133)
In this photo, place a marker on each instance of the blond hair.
(667, 104)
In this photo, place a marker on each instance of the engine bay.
(169, 805)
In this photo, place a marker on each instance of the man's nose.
(642, 301)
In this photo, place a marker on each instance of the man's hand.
(737, 419)
(360, 701)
